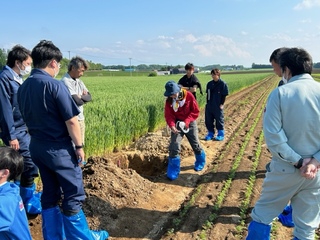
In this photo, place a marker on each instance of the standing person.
(286, 216)
(189, 81)
(77, 89)
(13, 130)
(181, 113)
(216, 90)
(274, 60)
(295, 151)
(53, 125)
(13, 218)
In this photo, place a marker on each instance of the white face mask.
(27, 70)
(55, 73)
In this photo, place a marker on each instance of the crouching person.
(13, 218)
(181, 112)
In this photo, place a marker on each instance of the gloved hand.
(182, 125)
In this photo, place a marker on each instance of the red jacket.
(189, 112)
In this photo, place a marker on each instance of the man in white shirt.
(77, 89)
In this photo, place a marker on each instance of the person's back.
(13, 218)
(45, 118)
(13, 224)
(300, 114)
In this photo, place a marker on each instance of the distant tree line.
(151, 67)
(263, 66)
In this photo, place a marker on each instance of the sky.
(166, 32)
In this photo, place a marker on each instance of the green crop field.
(124, 108)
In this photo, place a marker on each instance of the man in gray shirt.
(77, 89)
(291, 128)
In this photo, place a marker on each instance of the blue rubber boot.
(76, 227)
(200, 161)
(173, 168)
(258, 231)
(31, 199)
(52, 224)
(286, 217)
(209, 136)
(220, 135)
(295, 238)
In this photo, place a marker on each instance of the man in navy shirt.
(216, 90)
(13, 130)
(51, 117)
(189, 81)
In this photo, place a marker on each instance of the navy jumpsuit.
(12, 125)
(216, 94)
(46, 105)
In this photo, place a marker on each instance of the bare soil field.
(129, 195)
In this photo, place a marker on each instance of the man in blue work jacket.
(216, 90)
(13, 129)
(51, 116)
(13, 218)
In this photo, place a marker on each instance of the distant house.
(182, 71)
(129, 70)
(162, 73)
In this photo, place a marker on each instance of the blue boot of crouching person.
(200, 161)
(31, 199)
(258, 231)
(52, 224)
(209, 136)
(173, 168)
(286, 217)
(220, 136)
(76, 227)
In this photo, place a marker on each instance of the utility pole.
(69, 54)
(130, 67)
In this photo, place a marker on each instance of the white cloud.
(190, 38)
(89, 49)
(244, 33)
(280, 37)
(305, 4)
(165, 37)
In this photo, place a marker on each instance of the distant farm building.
(162, 73)
(182, 71)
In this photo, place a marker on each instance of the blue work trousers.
(59, 168)
(214, 118)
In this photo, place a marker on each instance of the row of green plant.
(227, 184)
(125, 108)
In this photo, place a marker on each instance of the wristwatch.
(80, 146)
(299, 164)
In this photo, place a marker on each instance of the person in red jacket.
(181, 112)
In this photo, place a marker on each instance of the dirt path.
(129, 195)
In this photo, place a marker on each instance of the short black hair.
(11, 159)
(78, 62)
(298, 60)
(17, 53)
(276, 54)
(188, 66)
(215, 71)
(44, 52)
